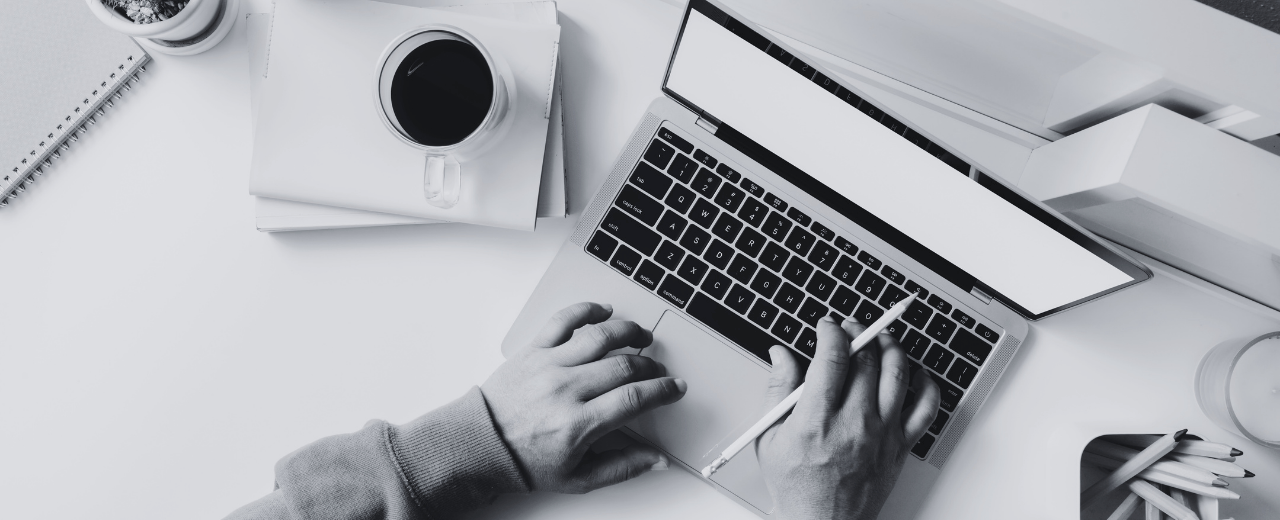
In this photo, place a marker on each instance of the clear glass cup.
(1238, 387)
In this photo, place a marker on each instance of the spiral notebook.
(60, 69)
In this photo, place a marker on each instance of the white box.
(1173, 189)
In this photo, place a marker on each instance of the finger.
(895, 376)
(597, 377)
(825, 380)
(922, 412)
(562, 324)
(594, 341)
(620, 405)
(784, 378)
(863, 384)
(614, 466)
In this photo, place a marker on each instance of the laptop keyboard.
(761, 272)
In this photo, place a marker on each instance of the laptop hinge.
(708, 125)
(977, 293)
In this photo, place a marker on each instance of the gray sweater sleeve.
(439, 466)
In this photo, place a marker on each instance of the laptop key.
(667, 135)
(968, 346)
(938, 358)
(774, 201)
(846, 246)
(871, 261)
(650, 180)
(869, 285)
(752, 187)
(672, 225)
(727, 227)
(669, 255)
(822, 231)
(683, 168)
(692, 269)
(732, 326)
(921, 449)
(918, 314)
(950, 394)
(740, 299)
(912, 287)
(823, 255)
(630, 231)
(963, 319)
(786, 328)
(704, 213)
(649, 274)
(844, 300)
(774, 256)
(705, 183)
(751, 242)
(762, 313)
(639, 205)
(800, 241)
(728, 173)
(915, 343)
(625, 260)
(986, 333)
(893, 275)
(776, 226)
(718, 254)
(730, 197)
(846, 271)
(765, 283)
(940, 328)
(602, 245)
(896, 329)
(695, 240)
(675, 291)
(705, 158)
(807, 343)
(716, 284)
(811, 311)
(820, 286)
(789, 297)
(680, 199)
(798, 216)
(940, 304)
(891, 296)
(753, 212)
(797, 271)
(938, 422)
(742, 268)
(961, 373)
(867, 312)
(659, 154)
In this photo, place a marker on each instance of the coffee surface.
(441, 92)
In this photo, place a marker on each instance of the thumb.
(611, 467)
(785, 376)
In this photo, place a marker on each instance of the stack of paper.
(525, 173)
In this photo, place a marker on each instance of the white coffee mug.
(432, 94)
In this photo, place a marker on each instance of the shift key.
(628, 230)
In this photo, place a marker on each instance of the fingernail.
(607, 307)
(828, 319)
(682, 386)
(661, 465)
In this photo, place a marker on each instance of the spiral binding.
(17, 179)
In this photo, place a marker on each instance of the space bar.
(731, 325)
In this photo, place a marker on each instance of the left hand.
(555, 397)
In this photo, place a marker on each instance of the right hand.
(839, 452)
(559, 394)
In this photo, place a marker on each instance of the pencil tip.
(1248, 473)
(1236, 453)
(1219, 482)
(1178, 436)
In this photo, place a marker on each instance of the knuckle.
(625, 368)
(631, 400)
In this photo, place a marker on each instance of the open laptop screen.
(883, 175)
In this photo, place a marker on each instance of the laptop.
(760, 193)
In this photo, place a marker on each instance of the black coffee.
(441, 92)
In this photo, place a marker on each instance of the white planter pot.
(200, 26)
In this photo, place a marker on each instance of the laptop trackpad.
(725, 397)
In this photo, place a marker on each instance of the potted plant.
(179, 27)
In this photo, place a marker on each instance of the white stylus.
(790, 402)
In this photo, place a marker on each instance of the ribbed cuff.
(453, 460)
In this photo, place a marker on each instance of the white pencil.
(1160, 500)
(1185, 446)
(1220, 467)
(790, 402)
(1160, 477)
(1120, 454)
(1131, 468)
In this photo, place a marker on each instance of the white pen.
(790, 402)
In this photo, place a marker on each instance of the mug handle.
(442, 180)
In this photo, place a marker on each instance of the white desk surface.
(158, 355)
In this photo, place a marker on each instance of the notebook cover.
(322, 141)
(57, 63)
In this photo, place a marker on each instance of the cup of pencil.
(1176, 476)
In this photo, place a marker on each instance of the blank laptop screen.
(970, 227)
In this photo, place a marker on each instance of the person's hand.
(840, 451)
(555, 397)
